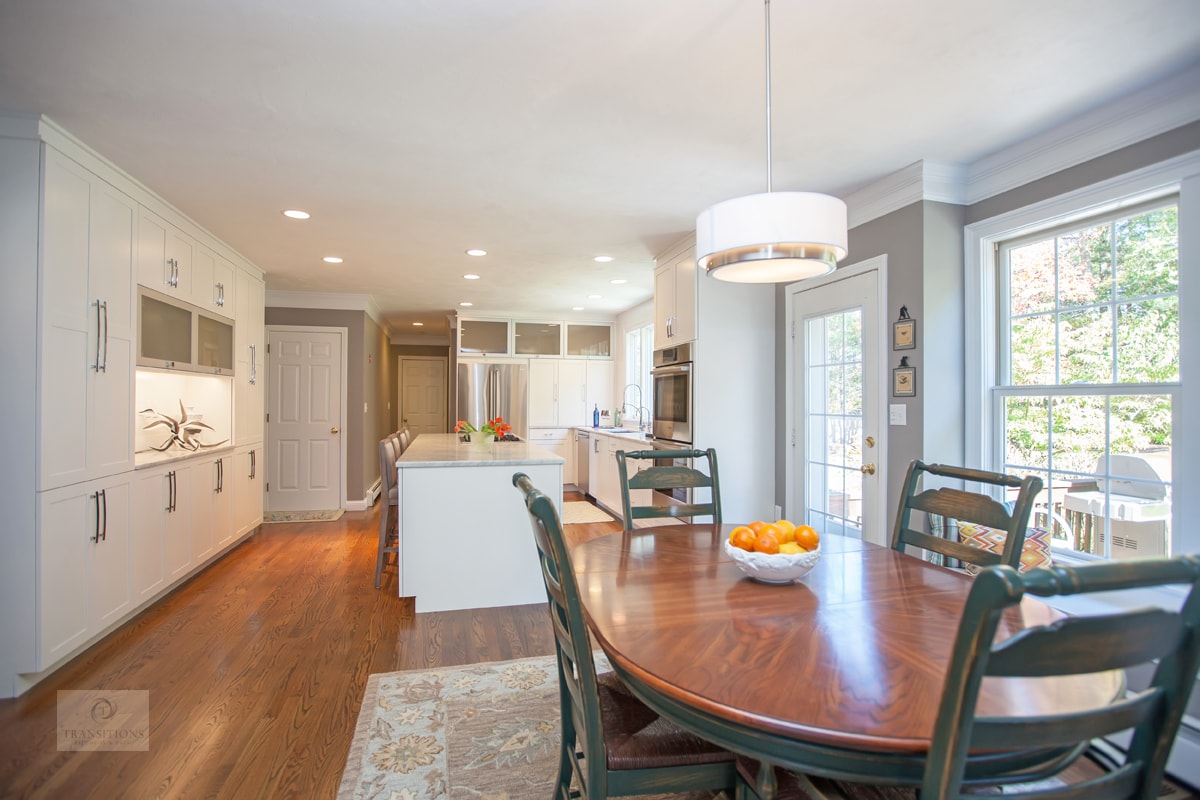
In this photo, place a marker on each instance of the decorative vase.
(482, 441)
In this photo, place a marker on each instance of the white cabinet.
(599, 389)
(245, 475)
(213, 282)
(212, 504)
(561, 442)
(250, 352)
(164, 256)
(88, 320)
(675, 300)
(83, 563)
(146, 577)
(604, 478)
(558, 392)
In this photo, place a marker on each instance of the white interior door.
(304, 420)
(422, 394)
(838, 397)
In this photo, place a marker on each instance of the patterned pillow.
(1034, 553)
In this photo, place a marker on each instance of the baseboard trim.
(367, 502)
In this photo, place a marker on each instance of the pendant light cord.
(767, 16)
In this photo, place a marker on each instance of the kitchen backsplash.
(208, 397)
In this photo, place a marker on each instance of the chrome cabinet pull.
(253, 364)
(220, 475)
(96, 537)
(104, 516)
(253, 465)
(96, 366)
(171, 492)
(104, 363)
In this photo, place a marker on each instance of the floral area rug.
(482, 731)
(576, 511)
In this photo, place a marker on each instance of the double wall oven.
(673, 398)
(672, 379)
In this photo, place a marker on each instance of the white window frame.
(645, 347)
(1180, 175)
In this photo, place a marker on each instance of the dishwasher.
(583, 449)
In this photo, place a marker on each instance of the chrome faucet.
(639, 409)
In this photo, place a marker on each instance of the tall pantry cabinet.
(69, 246)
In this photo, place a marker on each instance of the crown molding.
(336, 301)
(1155, 109)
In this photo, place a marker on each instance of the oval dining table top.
(852, 656)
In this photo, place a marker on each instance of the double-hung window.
(639, 354)
(1087, 387)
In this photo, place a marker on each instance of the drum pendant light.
(774, 237)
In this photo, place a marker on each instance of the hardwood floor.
(255, 671)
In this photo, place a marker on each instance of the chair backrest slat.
(965, 506)
(1166, 641)
(669, 476)
(1111, 641)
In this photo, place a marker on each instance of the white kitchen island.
(465, 536)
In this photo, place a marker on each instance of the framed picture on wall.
(904, 334)
(904, 380)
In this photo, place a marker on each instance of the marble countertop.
(153, 458)
(445, 450)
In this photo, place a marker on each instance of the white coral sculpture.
(184, 431)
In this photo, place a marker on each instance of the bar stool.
(389, 514)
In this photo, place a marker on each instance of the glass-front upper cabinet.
(483, 337)
(589, 339)
(176, 335)
(537, 338)
(214, 344)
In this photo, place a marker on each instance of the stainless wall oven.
(672, 379)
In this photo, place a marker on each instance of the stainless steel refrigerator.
(487, 391)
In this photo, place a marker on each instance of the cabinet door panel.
(599, 386)
(250, 351)
(146, 545)
(153, 269)
(108, 595)
(111, 281)
(202, 507)
(69, 317)
(684, 328)
(66, 522)
(177, 532)
(543, 392)
(572, 394)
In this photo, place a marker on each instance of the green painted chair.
(965, 506)
(966, 749)
(670, 477)
(612, 744)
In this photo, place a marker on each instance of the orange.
(742, 537)
(756, 526)
(767, 542)
(787, 529)
(807, 537)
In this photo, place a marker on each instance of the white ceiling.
(545, 131)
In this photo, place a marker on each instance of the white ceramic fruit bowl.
(773, 568)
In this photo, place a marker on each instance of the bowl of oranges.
(774, 552)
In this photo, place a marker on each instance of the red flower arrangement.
(497, 427)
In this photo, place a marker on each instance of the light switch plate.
(898, 414)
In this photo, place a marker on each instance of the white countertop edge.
(445, 450)
(153, 458)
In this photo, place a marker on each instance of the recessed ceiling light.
(594, 296)
(577, 308)
(332, 260)
(466, 304)
(618, 281)
(471, 277)
(603, 259)
(476, 252)
(293, 213)
(418, 324)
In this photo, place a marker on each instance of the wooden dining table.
(837, 674)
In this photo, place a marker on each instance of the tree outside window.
(1090, 377)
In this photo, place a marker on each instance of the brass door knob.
(870, 441)
(334, 430)
(867, 469)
